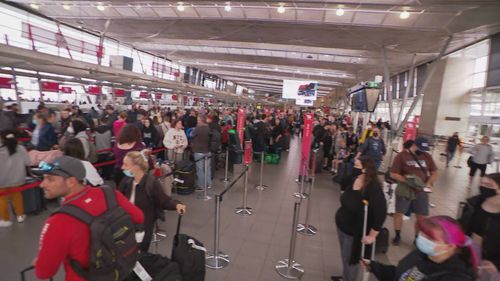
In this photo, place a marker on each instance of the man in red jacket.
(64, 237)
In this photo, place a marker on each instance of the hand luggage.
(382, 241)
(185, 177)
(155, 267)
(34, 201)
(190, 254)
(286, 141)
(166, 181)
(23, 273)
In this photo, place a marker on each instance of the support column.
(407, 90)
(387, 81)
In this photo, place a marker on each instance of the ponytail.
(9, 140)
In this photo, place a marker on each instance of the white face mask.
(70, 130)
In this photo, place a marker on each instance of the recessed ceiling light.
(180, 7)
(281, 9)
(227, 8)
(404, 15)
(67, 7)
(100, 7)
(34, 6)
(340, 12)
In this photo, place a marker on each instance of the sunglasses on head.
(49, 167)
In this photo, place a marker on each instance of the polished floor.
(256, 243)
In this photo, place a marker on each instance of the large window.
(479, 52)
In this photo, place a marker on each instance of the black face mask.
(487, 192)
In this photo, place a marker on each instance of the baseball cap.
(422, 144)
(63, 166)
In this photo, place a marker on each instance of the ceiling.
(256, 46)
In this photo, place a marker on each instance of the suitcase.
(157, 267)
(190, 254)
(34, 201)
(185, 177)
(320, 155)
(382, 241)
(344, 172)
(166, 182)
(286, 142)
(23, 273)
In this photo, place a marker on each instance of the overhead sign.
(50, 86)
(5, 83)
(304, 102)
(66, 90)
(295, 89)
(96, 90)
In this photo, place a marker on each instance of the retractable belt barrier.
(97, 165)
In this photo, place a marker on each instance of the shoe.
(432, 205)
(21, 218)
(5, 223)
(396, 240)
(336, 278)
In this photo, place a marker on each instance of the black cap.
(422, 144)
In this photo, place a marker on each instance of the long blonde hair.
(139, 158)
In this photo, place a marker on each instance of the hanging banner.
(174, 97)
(5, 83)
(119, 93)
(94, 90)
(144, 95)
(240, 124)
(247, 156)
(410, 131)
(158, 96)
(66, 90)
(306, 140)
(50, 86)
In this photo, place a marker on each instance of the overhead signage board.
(304, 102)
(295, 89)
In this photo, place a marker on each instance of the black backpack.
(113, 249)
(215, 140)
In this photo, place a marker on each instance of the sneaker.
(5, 223)
(427, 190)
(21, 218)
(336, 278)
(396, 240)
(432, 205)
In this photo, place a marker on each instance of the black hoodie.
(416, 266)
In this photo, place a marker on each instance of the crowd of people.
(71, 141)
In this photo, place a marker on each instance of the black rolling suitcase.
(33, 199)
(155, 268)
(185, 176)
(190, 254)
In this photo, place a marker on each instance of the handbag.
(469, 161)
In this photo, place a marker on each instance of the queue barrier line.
(37, 183)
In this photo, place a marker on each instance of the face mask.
(427, 246)
(375, 134)
(34, 122)
(356, 172)
(487, 192)
(128, 173)
(71, 130)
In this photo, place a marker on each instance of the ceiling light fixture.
(227, 8)
(404, 15)
(100, 7)
(340, 12)
(67, 7)
(34, 6)
(180, 7)
(281, 9)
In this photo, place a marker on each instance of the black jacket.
(416, 266)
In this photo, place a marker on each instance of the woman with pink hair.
(443, 252)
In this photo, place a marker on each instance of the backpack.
(113, 250)
(215, 140)
(93, 157)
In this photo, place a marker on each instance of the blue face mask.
(427, 246)
(34, 122)
(128, 173)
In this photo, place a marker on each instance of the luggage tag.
(141, 272)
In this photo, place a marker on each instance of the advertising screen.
(294, 89)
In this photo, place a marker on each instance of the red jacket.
(64, 237)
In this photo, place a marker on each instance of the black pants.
(474, 166)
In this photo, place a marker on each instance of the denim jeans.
(200, 170)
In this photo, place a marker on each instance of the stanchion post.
(226, 177)
(289, 268)
(305, 228)
(217, 259)
(301, 194)
(261, 186)
(205, 196)
(245, 210)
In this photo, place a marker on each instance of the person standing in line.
(409, 174)
(175, 141)
(451, 147)
(350, 216)
(482, 155)
(374, 147)
(14, 159)
(119, 123)
(200, 144)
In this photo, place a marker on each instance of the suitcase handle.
(23, 272)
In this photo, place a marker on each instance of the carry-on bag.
(186, 177)
(190, 254)
(155, 267)
(33, 200)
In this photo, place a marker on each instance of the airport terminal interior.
(297, 96)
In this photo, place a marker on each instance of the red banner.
(247, 156)
(66, 90)
(410, 131)
(5, 83)
(144, 95)
(94, 90)
(174, 97)
(306, 140)
(240, 123)
(119, 92)
(158, 96)
(50, 86)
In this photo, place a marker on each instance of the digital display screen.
(295, 89)
(365, 100)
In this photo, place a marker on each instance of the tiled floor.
(255, 243)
